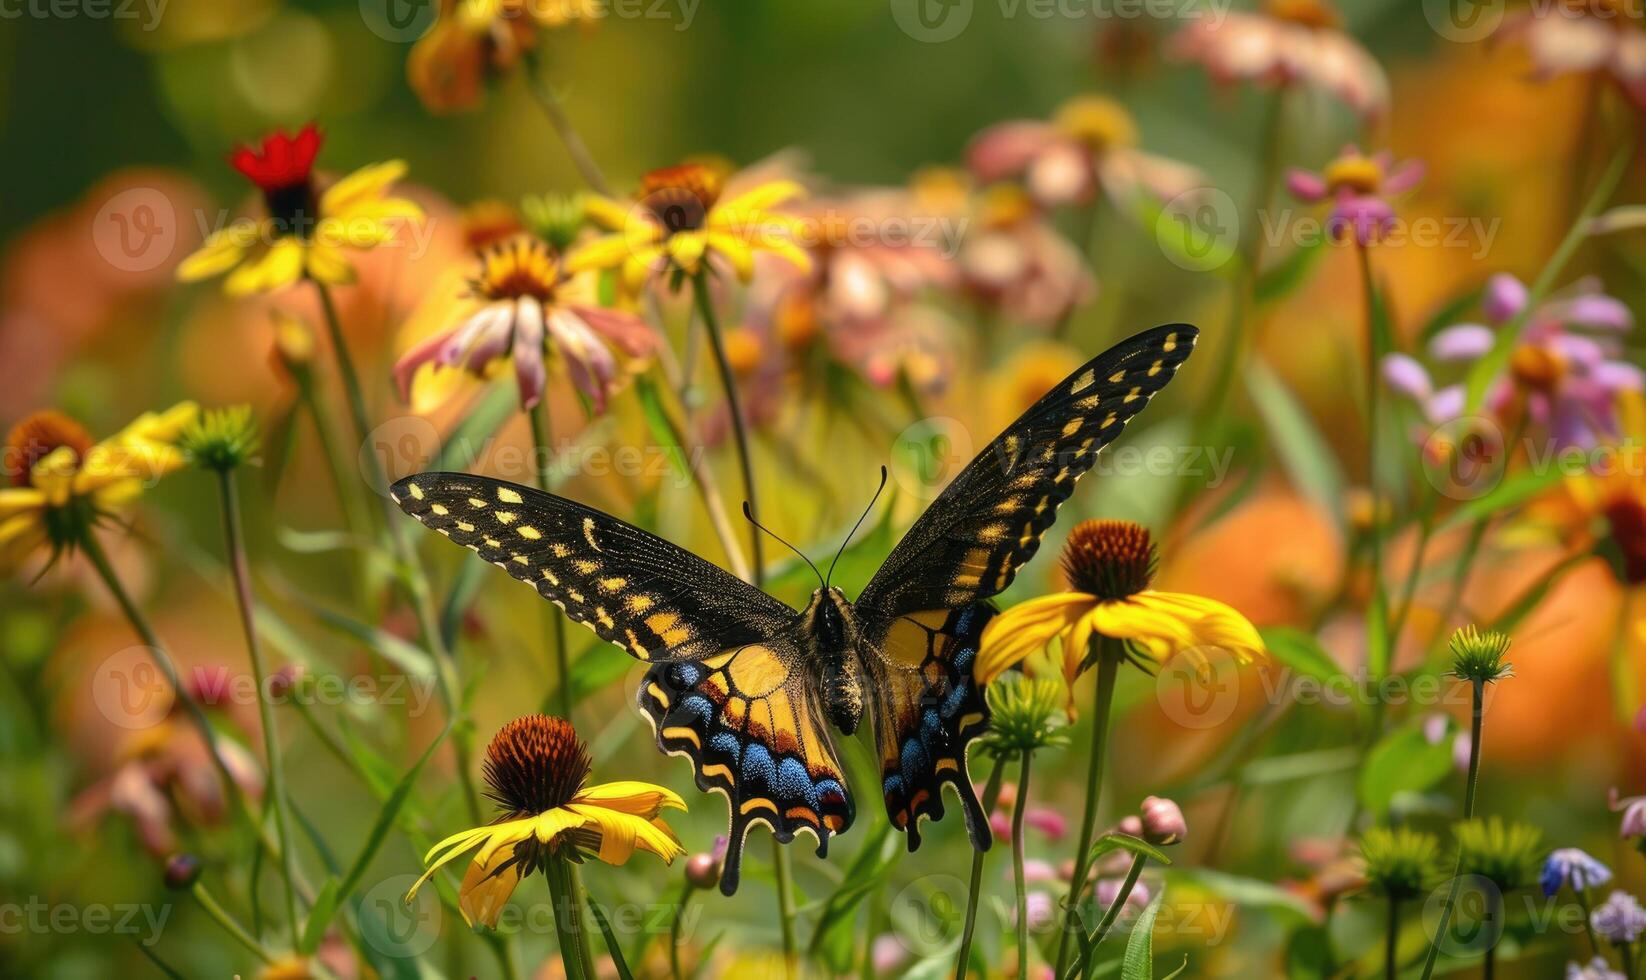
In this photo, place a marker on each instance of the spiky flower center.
(680, 197)
(535, 764)
(38, 436)
(1309, 13)
(1477, 655)
(1097, 122)
(518, 267)
(1354, 172)
(1109, 559)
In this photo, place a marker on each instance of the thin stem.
(568, 917)
(674, 930)
(1391, 937)
(1626, 953)
(549, 102)
(1108, 667)
(785, 905)
(543, 450)
(1488, 965)
(705, 308)
(235, 545)
(162, 659)
(1111, 914)
(417, 584)
(228, 923)
(1379, 657)
(1475, 717)
(1018, 880)
(991, 796)
(1584, 902)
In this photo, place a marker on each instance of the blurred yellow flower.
(679, 223)
(304, 232)
(1109, 564)
(474, 41)
(62, 483)
(535, 768)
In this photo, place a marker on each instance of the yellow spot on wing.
(639, 603)
(476, 503)
(588, 533)
(440, 509)
(613, 584)
(683, 734)
(416, 491)
(528, 532)
(758, 803)
(506, 516)
(465, 527)
(508, 496)
(1083, 382)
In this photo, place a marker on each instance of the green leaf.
(465, 443)
(1506, 496)
(1112, 842)
(612, 945)
(1301, 652)
(1138, 963)
(660, 426)
(320, 916)
(1402, 761)
(408, 657)
(1305, 453)
(1249, 893)
(835, 938)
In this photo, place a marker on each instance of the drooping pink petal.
(1006, 149)
(529, 371)
(630, 332)
(1505, 298)
(1598, 311)
(1462, 342)
(1404, 374)
(1405, 176)
(1305, 186)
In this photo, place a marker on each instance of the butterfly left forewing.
(750, 721)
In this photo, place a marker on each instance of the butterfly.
(747, 687)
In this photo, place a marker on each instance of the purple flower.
(1505, 297)
(1620, 918)
(1633, 808)
(1570, 867)
(1108, 888)
(1359, 188)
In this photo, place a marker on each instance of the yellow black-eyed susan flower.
(1109, 565)
(62, 483)
(304, 232)
(536, 768)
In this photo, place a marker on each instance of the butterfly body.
(751, 690)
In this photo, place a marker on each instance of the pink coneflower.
(519, 306)
(1089, 145)
(1292, 42)
(1359, 187)
(1015, 262)
(1599, 37)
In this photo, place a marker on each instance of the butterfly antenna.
(748, 514)
(859, 524)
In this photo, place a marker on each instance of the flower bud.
(703, 871)
(182, 871)
(1163, 821)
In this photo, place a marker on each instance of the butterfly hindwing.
(655, 600)
(749, 720)
(927, 709)
(988, 522)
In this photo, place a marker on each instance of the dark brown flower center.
(1626, 517)
(1109, 559)
(535, 764)
(515, 268)
(680, 197)
(38, 436)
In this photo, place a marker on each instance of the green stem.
(991, 796)
(228, 923)
(1391, 940)
(235, 545)
(1018, 810)
(1379, 655)
(162, 659)
(785, 906)
(568, 917)
(674, 931)
(1108, 667)
(543, 450)
(1110, 915)
(734, 407)
(1476, 712)
(549, 102)
(417, 584)
(1583, 901)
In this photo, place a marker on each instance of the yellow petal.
(551, 824)
(20, 536)
(631, 796)
(1023, 629)
(606, 252)
(281, 266)
(686, 248)
(796, 255)
(486, 888)
(327, 264)
(448, 850)
(607, 212)
(738, 254)
(53, 475)
(621, 833)
(767, 195)
(364, 184)
(221, 251)
(1210, 623)
(20, 500)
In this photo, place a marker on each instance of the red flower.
(285, 161)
